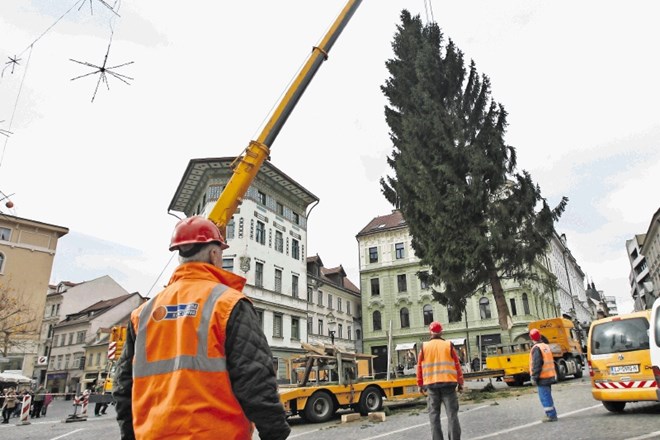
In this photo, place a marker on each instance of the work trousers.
(37, 405)
(545, 395)
(448, 397)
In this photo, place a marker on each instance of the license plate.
(624, 369)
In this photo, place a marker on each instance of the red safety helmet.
(196, 230)
(435, 327)
(535, 334)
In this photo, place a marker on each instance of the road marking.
(650, 435)
(418, 426)
(64, 435)
(301, 434)
(495, 434)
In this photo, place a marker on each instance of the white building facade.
(268, 244)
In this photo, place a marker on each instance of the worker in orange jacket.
(439, 375)
(542, 373)
(196, 364)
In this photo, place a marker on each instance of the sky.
(578, 80)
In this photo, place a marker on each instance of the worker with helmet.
(439, 375)
(543, 374)
(196, 364)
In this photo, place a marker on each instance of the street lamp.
(570, 291)
(332, 325)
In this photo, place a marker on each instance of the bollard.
(25, 410)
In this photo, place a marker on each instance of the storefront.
(56, 382)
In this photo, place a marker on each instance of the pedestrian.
(196, 363)
(9, 405)
(439, 375)
(100, 407)
(543, 374)
(38, 402)
(47, 400)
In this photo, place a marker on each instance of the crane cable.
(428, 8)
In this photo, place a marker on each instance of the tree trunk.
(502, 307)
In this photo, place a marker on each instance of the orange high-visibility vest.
(181, 387)
(438, 364)
(548, 368)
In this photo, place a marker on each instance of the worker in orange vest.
(439, 375)
(543, 374)
(196, 364)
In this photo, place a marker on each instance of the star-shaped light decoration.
(6, 133)
(13, 62)
(91, 9)
(104, 71)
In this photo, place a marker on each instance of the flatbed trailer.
(327, 380)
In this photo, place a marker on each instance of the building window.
(376, 320)
(358, 334)
(296, 218)
(261, 233)
(294, 286)
(398, 251)
(278, 281)
(295, 249)
(401, 283)
(80, 337)
(295, 328)
(5, 234)
(50, 331)
(277, 325)
(514, 311)
(525, 304)
(260, 316)
(349, 333)
(423, 284)
(279, 242)
(279, 208)
(340, 331)
(310, 325)
(453, 315)
(261, 198)
(231, 228)
(339, 304)
(329, 301)
(375, 287)
(71, 338)
(2, 262)
(373, 255)
(484, 308)
(405, 318)
(348, 307)
(59, 362)
(55, 340)
(310, 295)
(228, 264)
(320, 327)
(67, 359)
(428, 314)
(259, 274)
(320, 299)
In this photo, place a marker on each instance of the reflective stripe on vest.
(548, 366)
(200, 362)
(438, 364)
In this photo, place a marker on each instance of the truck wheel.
(319, 407)
(578, 373)
(370, 400)
(615, 407)
(561, 370)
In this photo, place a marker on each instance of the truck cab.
(654, 335)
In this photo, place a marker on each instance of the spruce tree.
(475, 219)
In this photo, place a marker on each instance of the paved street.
(513, 418)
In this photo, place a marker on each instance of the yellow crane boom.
(248, 164)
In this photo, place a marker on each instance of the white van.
(654, 336)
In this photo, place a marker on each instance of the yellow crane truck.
(327, 379)
(513, 359)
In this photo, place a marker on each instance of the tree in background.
(17, 322)
(474, 219)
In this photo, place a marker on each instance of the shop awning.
(406, 346)
(14, 377)
(457, 341)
